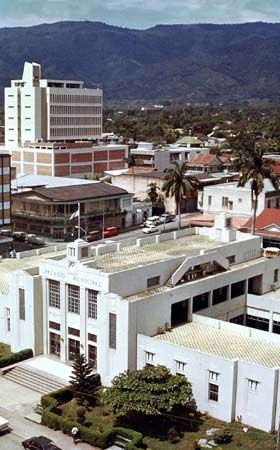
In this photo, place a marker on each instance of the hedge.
(16, 357)
(52, 419)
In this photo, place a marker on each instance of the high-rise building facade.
(50, 110)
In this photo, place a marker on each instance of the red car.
(111, 231)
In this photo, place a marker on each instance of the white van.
(153, 220)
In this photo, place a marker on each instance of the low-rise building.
(160, 158)
(230, 198)
(71, 159)
(47, 210)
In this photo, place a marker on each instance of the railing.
(59, 216)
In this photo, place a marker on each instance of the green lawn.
(5, 350)
(254, 439)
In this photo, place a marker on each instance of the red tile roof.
(203, 160)
(269, 216)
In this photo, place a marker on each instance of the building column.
(270, 327)
(83, 321)
(63, 323)
(210, 299)
(190, 309)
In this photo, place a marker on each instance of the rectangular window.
(213, 392)
(154, 281)
(149, 357)
(92, 304)
(74, 331)
(54, 325)
(275, 277)
(225, 202)
(92, 337)
(209, 200)
(54, 293)
(8, 314)
(213, 376)
(92, 356)
(73, 299)
(112, 330)
(253, 385)
(21, 294)
(73, 349)
(180, 367)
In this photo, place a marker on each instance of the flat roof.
(30, 180)
(9, 265)
(223, 343)
(133, 256)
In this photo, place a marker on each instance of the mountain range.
(191, 63)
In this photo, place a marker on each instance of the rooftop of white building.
(224, 343)
(268, 187)
(134, 256)
(27, 261)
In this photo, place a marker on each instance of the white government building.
(181, 299)
(50, 110)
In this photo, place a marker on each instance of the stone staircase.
(34, 379)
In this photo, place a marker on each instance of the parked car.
(39, 443)
(4, 425)
(166, 218)
(153, 220)
(6, 232)
(151, 229)
(111, 231)
(33, 239)
(19, 236)
(94, 236)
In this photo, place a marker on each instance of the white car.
(152, 229)
(4, 425)
(33, 239)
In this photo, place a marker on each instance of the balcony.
(44, 215)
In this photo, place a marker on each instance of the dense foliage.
(194, 63)
(151, 391)
(16, 357)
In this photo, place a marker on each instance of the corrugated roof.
(204, 160)
(269, 216)
(80, 192)
(223, 343)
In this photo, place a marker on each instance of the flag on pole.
(75, 214)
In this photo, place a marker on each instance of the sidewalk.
(26, 429)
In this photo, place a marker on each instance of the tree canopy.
(151, 391)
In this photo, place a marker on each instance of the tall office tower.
(50, 110)
(5, 189)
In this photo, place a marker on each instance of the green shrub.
(81, 414)
(51, 419)
(16, 357)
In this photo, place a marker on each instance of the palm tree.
(177, 184)
(254, 169)
(152, 192)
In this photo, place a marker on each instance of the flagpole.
(79, 221)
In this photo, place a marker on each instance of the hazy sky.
(138, 13)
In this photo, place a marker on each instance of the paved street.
(16, 402)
